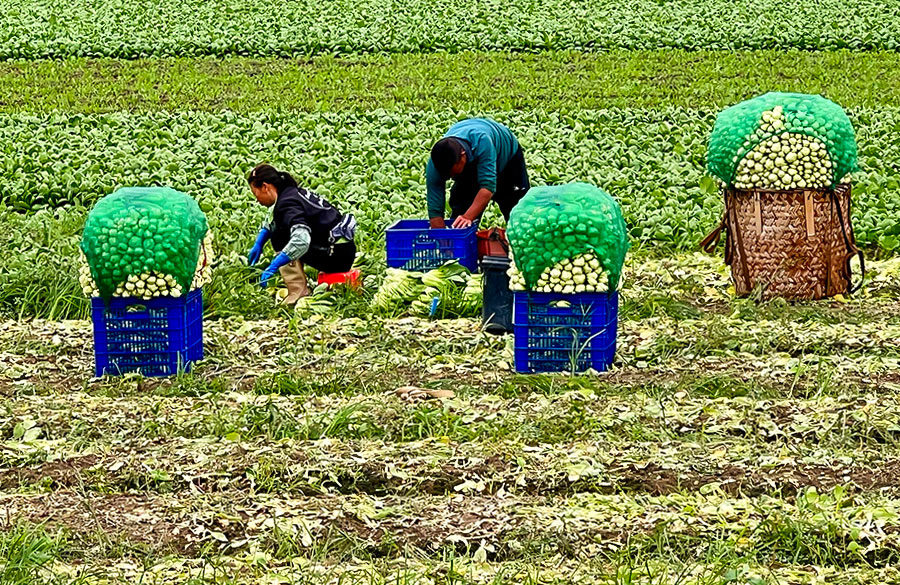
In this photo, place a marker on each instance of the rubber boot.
(295, 281)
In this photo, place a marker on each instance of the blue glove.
(269, 272)
(256, 250)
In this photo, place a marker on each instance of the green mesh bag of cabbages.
(555, 223)
(142, 229)
(742, 127)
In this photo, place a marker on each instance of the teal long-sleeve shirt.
(491, 146)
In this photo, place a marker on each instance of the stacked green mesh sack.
(782, 141)
(567, 239)
(145, 242)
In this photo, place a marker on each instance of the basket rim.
(789, 191)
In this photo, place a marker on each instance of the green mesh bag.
(742, 127)
(142, 229)
(555, 223)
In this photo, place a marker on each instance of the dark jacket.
(299, 207)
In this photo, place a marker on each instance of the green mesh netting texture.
(554, 223)
(142, 229)
(742, 127)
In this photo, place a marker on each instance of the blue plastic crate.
(413, 245)
(159, 337)
(573, 336)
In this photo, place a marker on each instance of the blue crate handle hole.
(423, 242)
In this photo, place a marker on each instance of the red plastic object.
(352, 278)
(492, 242)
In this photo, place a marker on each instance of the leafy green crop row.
(553, 80)
(373, 163)
(134, 29)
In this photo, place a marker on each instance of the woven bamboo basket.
(794, 244)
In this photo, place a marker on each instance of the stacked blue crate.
(560, 332)
(158, 337)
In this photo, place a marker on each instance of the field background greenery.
(357, 129)
(734, 442)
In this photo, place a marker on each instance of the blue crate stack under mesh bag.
(560, 332)
(159, 337)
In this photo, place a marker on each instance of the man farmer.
(485, 161)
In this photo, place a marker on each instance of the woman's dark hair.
(268, 174)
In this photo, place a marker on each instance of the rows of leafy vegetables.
(33, 29)
(652, 160)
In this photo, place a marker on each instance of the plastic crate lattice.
(557, 332)
(414, 246)
(159, 337)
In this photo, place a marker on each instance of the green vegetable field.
(131, 29)
(355, 441)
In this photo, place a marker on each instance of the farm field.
(133, 29)
(733, 442)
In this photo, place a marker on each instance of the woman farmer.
(303, 228)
